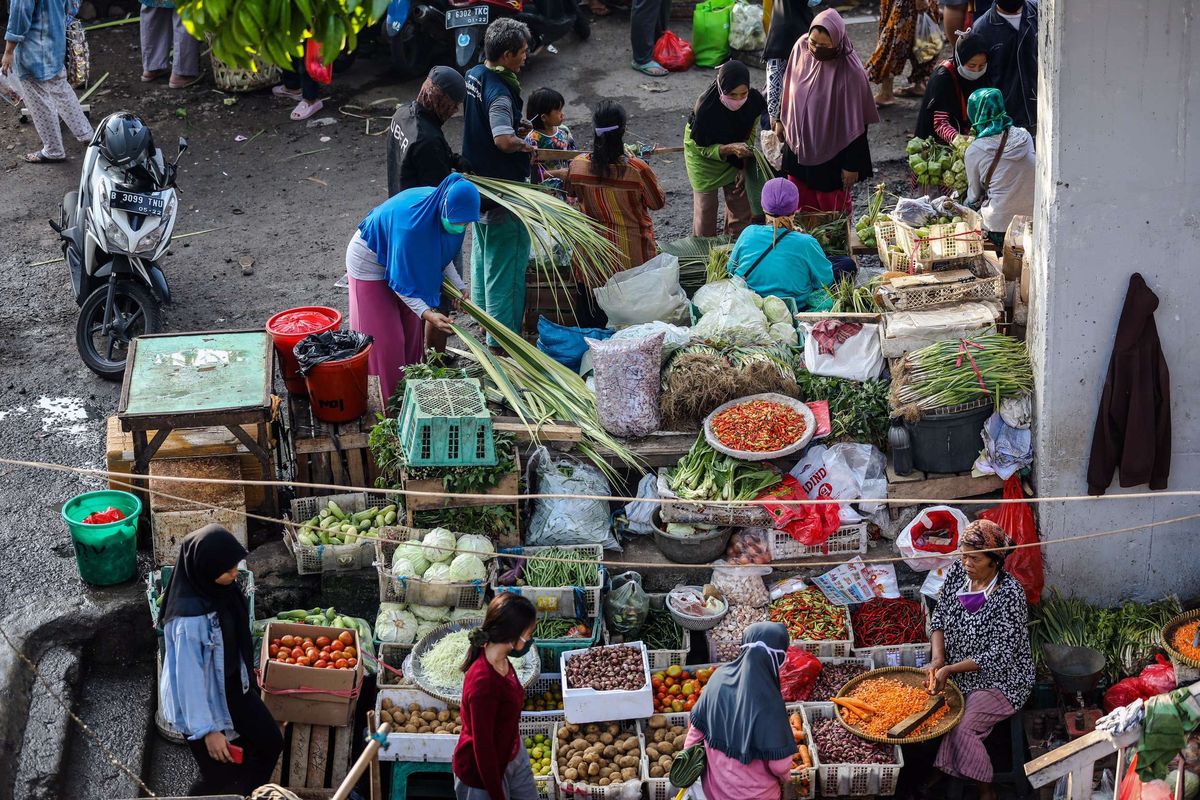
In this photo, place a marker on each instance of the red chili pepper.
(759, 426)
(884, 622)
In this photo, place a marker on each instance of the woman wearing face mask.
(824, 115)
(742, 721)
(490, 760)
(944, 110)
(718, 143)
(395, 263)
(208, 688)
(980, 641)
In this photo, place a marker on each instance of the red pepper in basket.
(758, 426)
(885, 622)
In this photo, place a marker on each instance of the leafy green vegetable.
(858, 411)
(705, 474)
(498, 521)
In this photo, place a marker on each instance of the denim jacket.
(191, 693)
(39, 27)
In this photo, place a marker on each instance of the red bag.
(798, 675)
(810, 525)
(1122, 693)
(1017, 520)
(314, 65)
(1158, 678)
(673, 53)
(1131, 784)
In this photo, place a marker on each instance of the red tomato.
(297, 652)
(273, 650)
(274, 643)
(656, 682)
(322, 641)
(341, 663)
(312, 653)
(281, 658)
(288, 641)
(352, 662)
(321, 663)
(337, 646)
(346, 637)
(691, 701)
(290, 661)
(349, 652)
(304, 661)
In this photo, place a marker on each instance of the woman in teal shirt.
(777, 260)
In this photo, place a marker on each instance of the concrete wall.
(1118, 192)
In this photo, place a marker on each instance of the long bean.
(547, 568)
(662, 632)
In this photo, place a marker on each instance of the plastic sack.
(914, 211)
(565, 344)
(928, 42)
(10, 89)
(1017, 520)
(798, 675)
(1158, 678)
(673, 53)
(645, 293)
(317, 348)
(729, 315)
(628, 384)
(315, 65)
(840, 472)
(710, 32)
(748, 546)
(811, 525)
(742, 586)
(639, 515)
(78, 56)
(772, 147)
(675, 337)
(1122, 693)
(919, 543)
(627, 605)
(746, 27)
(560, 521)
(859, 358)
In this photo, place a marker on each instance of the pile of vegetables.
(617, 667)
(865, 226)
(881, 621)
(699, 378)
(660, 631)
(1184, 637)
(832, 237)
(809, 616)
(938, 166)
(876, 705)
(662, 742)
(847, 297)
(551, 567)
(734, 316)
(549, 700)
(959, 371)
(802, 761)
(705, 474)
(321, 652)
(328, 617)
(759, 426)
(833, 677)
(437, 557)
(439, 667)
(858, 410)
(561, 628)
(676, 689)
(497, 522)
(415, 719)
(726, 637)
(539, 749)
(597, 755)
(334, 526)
(836, 745)
(684, 529)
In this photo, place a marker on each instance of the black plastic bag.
(317, 348)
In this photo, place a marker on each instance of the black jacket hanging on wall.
(1133, 427)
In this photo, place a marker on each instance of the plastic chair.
(401, 770)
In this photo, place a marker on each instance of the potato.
(678, 742)
(579, 744)
(628, 761)
(613, 728)
(443, 716)
(387, 704)
(571, 774)
(429, 716)
(665, 762)
(423, 729)
(628, 745)
(573, 728)
(659, 735)
(574, 761)
(603, 782)
(414, 707)
(606, 738)
(593, 728)
(591, 758)
(610, 751)
(593, 769)
(564, 734)
(591, 738)
(410, 728)
(628, 774)
(656, 722)
(652, 753)
(606, 771)
(657, 772)
(666, 748)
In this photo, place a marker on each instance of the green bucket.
(106, 553)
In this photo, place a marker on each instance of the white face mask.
(970, 74)
(777, 656)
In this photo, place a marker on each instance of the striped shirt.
(620, 203)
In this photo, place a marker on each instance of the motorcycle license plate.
(136, 203)
(466, 17)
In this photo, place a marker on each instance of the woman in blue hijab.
(395, 264)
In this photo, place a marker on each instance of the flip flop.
(910, 91)
(183, 81)
(40, 157)
(305, 109)
(280, 90)
(651, 68)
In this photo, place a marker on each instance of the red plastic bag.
(314, 65)
(798, 675)
(1158, 678)
(673, 53)
(1122, 693)
(1017, 520)
(1131, 784)
(810, 525)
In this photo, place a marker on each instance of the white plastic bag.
(639, 515)
(644, 294)
(746, 27)
(772, 147)
(859, 358)
(928, 42)
(729, 315)
(909, 540)
(561, 521)
(843, 471)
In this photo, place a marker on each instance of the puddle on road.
(65, 415)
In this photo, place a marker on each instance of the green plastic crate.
(156, 584)
(445, 423)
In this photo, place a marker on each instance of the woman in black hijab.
(717, 150)
(943, 111)
(208, 690)
(741, 719)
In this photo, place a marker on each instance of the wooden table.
(198, 380)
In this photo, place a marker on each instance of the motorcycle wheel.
(104, 343)
(583, 25)
(411, 53)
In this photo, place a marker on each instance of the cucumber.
(336, 510)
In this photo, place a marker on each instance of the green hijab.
(985, 108)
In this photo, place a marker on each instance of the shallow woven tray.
(1169, 630)
(810, 425)
(911, 676)
(530, 662)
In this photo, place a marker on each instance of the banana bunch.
(334, 526)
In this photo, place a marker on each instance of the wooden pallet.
(315, 757)
(333, 454)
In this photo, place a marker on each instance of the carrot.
(855, 705)
(805, 758)
(891, 702)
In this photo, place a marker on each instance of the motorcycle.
(114, 229)
(426, 32)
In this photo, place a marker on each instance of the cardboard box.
(315, 704)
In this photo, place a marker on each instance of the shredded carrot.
(1182, 640)
(893, 702)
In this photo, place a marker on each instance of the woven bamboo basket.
(987, 285)
(913, 677)
(232, 79)
(1168, 632)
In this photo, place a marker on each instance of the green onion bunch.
(941, 375)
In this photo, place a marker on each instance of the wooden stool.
(401, 770)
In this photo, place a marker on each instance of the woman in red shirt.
(490, 761)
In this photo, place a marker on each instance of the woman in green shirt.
(718, 146)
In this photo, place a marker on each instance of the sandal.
(598, 9)
(280, 90)
(182, 81)
(40, 157)
(151, 75)
(651, 68)
(305, 109)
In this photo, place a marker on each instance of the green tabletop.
(198, 372)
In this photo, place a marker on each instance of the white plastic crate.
(801, 784)
(830, 648)
(547, 788)
(863, 661)
(853, 780)
(626, 790)
(661, 788)
(902, 655)
(711, 513)
(585, 705)
(396, 589)
(846, 540)
(547, 598)
(541, 684)
(331, 557)
(393, 655)
(431, 747)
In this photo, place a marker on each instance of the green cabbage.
(424, 628)
(438, 573)
(438, 545)
(395, 624)
(466, 567)
(776, 310)
(434, 614)
(415, 555)
(467, 613)
(474, 544)
(404, 568)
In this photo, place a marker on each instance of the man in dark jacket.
(1010, 31)
(417, 151)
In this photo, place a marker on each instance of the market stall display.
(433, 567)
(602, 756)
(836, 673)
(813, 622)
(610, 682)
(875, 706)
(424, 728)
(436, 661)
(318, 548)
(760, 427)
(802, 782)
(677, 689)
(697, 608)
(848, 765)
(550, 577)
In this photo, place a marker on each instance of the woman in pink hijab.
(826, 108)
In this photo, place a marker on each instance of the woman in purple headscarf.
(824, 114)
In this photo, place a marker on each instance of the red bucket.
(289, 327)
(337, 390)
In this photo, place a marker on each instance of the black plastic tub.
(948, 440)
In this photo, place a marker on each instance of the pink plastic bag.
(315, 65)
